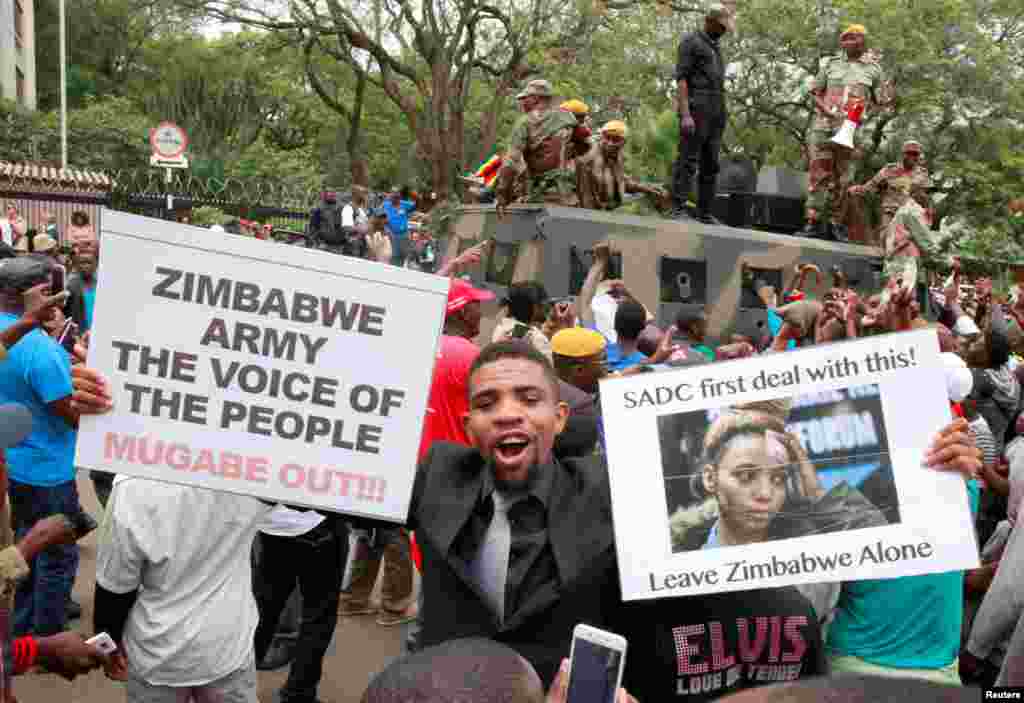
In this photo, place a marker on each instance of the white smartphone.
(595, 665)
(102, 642)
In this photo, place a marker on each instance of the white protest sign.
(826, 483)
(285, 373)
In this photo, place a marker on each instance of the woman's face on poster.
(749, 483)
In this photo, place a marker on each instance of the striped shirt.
(984, 440)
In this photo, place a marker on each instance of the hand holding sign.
(812, 469)
(242, 371)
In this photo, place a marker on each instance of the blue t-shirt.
(910, 622)
(37, 372)
(398, 217)
(90, 301)
(775, 324)
(618, 362)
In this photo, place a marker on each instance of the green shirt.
(911, 622)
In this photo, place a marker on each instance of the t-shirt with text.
(700, 648)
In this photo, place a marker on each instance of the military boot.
(681, 214)
(705, 201)
(811, 230)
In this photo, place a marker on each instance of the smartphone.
(103, 642)
(68, 336)
(58, 279)
(595, 665)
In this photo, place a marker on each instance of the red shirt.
(449, 391)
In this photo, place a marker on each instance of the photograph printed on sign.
(809, 464)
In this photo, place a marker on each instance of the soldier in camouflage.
(601, 178)
(909, 243)
(843, 80)
(539, 147)
(898, 183)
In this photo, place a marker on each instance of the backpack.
(330, 229)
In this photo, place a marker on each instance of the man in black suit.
(517, 545)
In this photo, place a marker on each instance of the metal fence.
(147, 192)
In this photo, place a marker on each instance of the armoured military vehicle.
(668, 265)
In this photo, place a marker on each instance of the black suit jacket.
(579, 522)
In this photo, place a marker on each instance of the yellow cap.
(615, 127)
(856, 29)
(576, 107)
(577, 342)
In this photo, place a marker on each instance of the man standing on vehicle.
(700, 101)
(855, 76)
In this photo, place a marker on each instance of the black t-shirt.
(699, 63)
(700, 648)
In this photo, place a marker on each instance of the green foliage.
(105, 135)
(208, 215)
(252, 113)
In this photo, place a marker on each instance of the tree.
(423, 57)
(105, 135)
(105, 40)
(218, 90)
(951, 62)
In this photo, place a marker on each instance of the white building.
(18, 52)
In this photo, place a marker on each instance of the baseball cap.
(911, 145)
(577, 342)
(616, 128)
(24, 272)
(959, 380)
(15, 424)
(44, 243)
(461, 293)
(538, 87)
(965, 327)
(576, 107)
(856, 29)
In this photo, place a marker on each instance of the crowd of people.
(510, 526)
(201, 589)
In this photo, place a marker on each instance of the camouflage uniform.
(539, 145)
(831, 166)
(908, 240)
(898, 184)
(601, 178)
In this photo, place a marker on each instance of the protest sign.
(284, 373)
(784, 469)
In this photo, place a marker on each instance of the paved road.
(360, 649)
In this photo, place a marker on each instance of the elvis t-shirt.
(700, 648)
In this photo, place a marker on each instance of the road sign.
(168, 140)
(160, 162)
